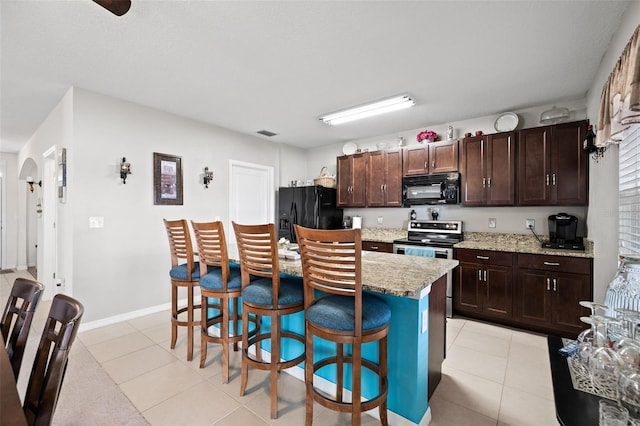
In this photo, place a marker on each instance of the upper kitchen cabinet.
(552, 166)
(384, 179)
(351, 180)
(434, 157)
(487, 166)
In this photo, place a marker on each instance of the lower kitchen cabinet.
(483, 283)
(549, 291)
(535, 292)
(380, 246)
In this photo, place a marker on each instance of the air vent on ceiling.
(266, 133)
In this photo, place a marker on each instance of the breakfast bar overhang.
(414, 289)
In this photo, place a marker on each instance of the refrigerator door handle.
(316, 211)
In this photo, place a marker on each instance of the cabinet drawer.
(377, 246)
(575, 265)
(484, 257)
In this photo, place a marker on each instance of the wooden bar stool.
(186, 275)
(336, 310)
(266, 294)
(218, 281)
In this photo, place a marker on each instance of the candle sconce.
(125, 169)
(208, 177)
(31, 181)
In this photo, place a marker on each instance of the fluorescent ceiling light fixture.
(369, 110)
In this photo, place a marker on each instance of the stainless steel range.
(437, 235)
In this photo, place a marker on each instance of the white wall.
(124, 266)
(603, 179)
(9, 202)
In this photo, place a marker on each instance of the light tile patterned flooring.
(492, 376)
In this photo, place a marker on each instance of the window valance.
(620, 100)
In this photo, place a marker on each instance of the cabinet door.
(415, 161)
(377, 246)
(344, 177)
(376, 171)
(534, 175)
(473, 170)
(359, 181)
(443, 156)
(393, 184)
(500, 174)
(498, 299)
(534, 297)
(568, 291)
(569, 165)
(467, 295)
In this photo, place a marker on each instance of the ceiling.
(279, 65)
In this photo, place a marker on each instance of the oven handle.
(447, 253)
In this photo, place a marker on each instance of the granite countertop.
(517, 243)
(379, 272)
(383, 235)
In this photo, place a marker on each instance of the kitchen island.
(413, 287)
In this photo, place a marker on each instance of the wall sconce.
(125, 169)
(589, 146)
(31, 181)
(208, 177)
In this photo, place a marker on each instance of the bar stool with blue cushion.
(338, 311)
(219, 281)
(15, 322)
(267, 294)
(184, 272)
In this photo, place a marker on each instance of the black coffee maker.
(562, 232)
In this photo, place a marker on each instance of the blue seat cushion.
(260, 291)
(338, 312)
(180, 272)
(213, 279)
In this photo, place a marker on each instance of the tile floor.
(492, 376)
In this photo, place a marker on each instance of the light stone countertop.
(383, 235)
(394, 274)
(517, 243)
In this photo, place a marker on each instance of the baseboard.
(124, 317)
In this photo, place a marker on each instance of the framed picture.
(167, 179)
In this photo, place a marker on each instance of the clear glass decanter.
(623, 292)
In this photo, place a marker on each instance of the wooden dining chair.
(184, 272)
(16, 319)
(338, 311)
(220, 322)
(266, 294)
(50, 365)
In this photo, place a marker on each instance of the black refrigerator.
(308, 206)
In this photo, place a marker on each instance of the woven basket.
(324, 179)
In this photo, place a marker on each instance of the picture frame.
(167, 179)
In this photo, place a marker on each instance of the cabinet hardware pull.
(485, 275)
(547, 179)
(484, 182)
(426, 165)
(385, 187)
(554, 285)
(382, 187)
(553, 178)
(374, 247)
(552, 263)
(482, 257)
(479, 275)
(548, 284)
(433, 163)
(489, 182)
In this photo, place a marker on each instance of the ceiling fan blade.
(117, 7)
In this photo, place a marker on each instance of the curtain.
(620, 100)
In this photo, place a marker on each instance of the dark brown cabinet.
(380, 246)
(483, 283)
(487, 166)
(549, 291)
(384, 178)
(351, 180)
(434, 157)
(552, 167)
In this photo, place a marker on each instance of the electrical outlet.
(492, 222)
(425, 321)
(530, 223)
(379, 220)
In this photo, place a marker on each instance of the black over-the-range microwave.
(441, 188)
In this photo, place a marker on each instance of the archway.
(30, 172)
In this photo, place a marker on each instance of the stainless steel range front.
(438, 236)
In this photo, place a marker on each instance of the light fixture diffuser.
(554, 115)
(368, 110)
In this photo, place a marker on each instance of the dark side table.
(573, 407)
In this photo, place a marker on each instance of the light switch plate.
(492, 222)
(96, 222)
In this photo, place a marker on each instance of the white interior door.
(251, 198)
(49, 230)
